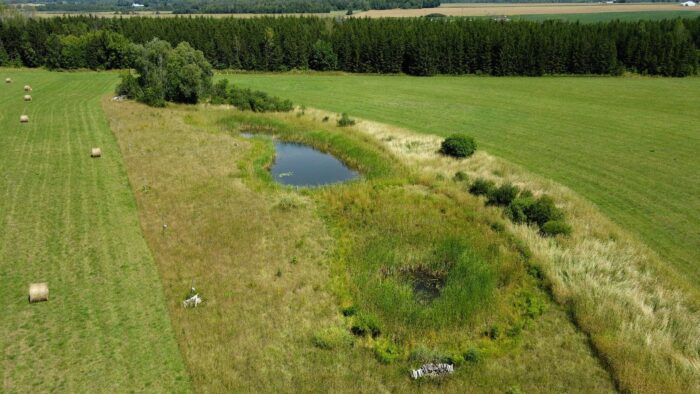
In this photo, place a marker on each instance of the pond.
(303, 166)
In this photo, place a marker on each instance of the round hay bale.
(38, 292)
(27, 88)
(27, 97)
(8, 80)
(24, 119)
(95, 152)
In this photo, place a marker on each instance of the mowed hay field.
(71, 221)
(630, 144)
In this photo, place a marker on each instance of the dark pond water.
(301, 165)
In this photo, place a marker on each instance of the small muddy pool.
(303, 166)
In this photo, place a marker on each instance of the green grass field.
(609, 16)
(630, 144)
(71, 221)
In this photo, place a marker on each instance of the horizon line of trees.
(415, 46)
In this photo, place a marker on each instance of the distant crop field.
(477, 9)
(630, 145)
(71, 221)
(610, 16)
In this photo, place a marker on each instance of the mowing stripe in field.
(71, 221)
(629, 144)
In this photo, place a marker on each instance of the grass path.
(71, 220)
(629, 145)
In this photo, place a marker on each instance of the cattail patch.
(38, 292)
(95, 152)
(24, 119)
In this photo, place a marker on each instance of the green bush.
(516, 210)
(332, 338)
(502, 195)
(460, 177)
(257, 101)
(129, 87)
(423, 355)
(555, 227)
(472, 355)
(481, 187)
(345, 121)
(386, 351)
(542, 211)
(350, 310)
(365, 324)
(219, 92)
(458, 145)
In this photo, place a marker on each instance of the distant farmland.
(529, 9)
(630, 145)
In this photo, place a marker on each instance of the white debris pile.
(119, 98)
(432, 370)
(193, 300)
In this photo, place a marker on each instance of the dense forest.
(227, 6)
(417, 46)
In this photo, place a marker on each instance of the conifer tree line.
(416, 46)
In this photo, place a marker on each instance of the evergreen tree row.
(417, 46)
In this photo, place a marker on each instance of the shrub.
(345, 120)
(502, 195)
(332, 338)
(494, 332)
(555, 227)
(350, 310)
(386, 351)
(257, 101)
(219, 92)
(460, 177)
(365, 324)
(516, 210)
(481, 187)
(129, 87)
(423, 355)
(458, 145)
(472, 355)
(152, 96)
(542, 211)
